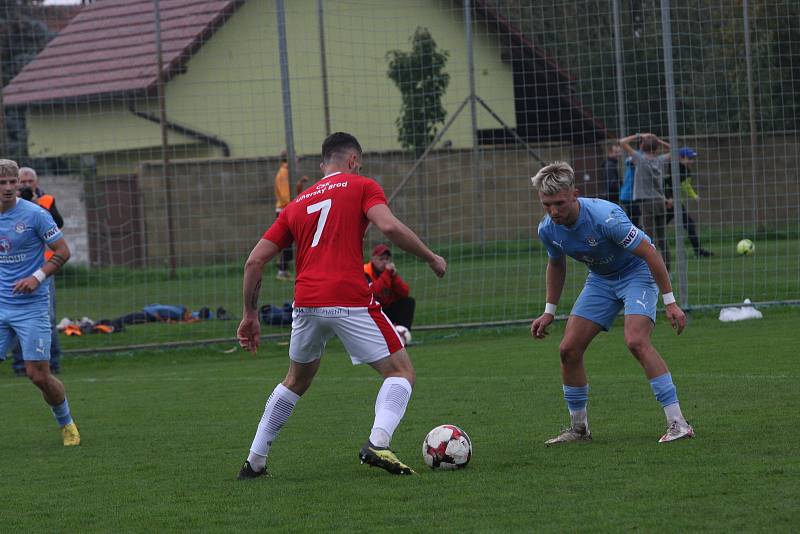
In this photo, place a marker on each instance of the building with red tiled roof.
(92, 90)
(109, 48)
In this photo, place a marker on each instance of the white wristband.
(39, 275)
(669, 298)
(550, 308)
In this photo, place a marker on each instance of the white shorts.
(367, 334)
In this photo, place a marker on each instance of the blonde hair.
(8, 168)
(558, 176)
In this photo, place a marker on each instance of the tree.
(709, 63)
(22, 36)
(420, 76)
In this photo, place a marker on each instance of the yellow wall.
(93, 128)
(231, 88)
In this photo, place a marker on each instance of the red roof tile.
(109, 47)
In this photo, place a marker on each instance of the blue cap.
(687, 152)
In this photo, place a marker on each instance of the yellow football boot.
(71, 435)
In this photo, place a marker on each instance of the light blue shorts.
(603, 297)
(31, 323)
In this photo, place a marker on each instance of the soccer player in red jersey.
(327, 222)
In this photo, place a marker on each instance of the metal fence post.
(324, 68)
(618, 69)
(751, 107)
(285, 91)
(162, 110)
(672, 118)
(473, 111)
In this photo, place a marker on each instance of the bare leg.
(51, 387)
(397, 364)
(638, 329)
(300, 375)
(577, 336)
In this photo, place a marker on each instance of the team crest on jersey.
(19, 227)
(592, 241)
(5, 245)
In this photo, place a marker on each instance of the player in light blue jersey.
(625, 271)
(25, 230)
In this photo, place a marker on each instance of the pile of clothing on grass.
(165, 313)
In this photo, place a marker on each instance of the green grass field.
(165, 432)
(503, 281)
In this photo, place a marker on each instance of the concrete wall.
(221, 207)
(71, 203)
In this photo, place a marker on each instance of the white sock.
(579, 419)
(673, 413)
(257, 462)
(278, 409)
(390, 405)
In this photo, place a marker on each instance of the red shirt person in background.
(388, 288)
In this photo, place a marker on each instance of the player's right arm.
(555, 277)
(401, 235)
(250, 329)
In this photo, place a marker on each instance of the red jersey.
(328, 221)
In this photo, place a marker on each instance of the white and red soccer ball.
(446, 447)
(404, 333)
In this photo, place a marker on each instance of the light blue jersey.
(25, 229)
(602, 238)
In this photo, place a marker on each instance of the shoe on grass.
(70, 434)
(384, 458)
(677, 430)
(570, 435)
(247, 472)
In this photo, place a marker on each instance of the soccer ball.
(404, 333)
(446, 447)
(745, 247)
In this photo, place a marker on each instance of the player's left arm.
(649, 254)
(249, 329)
(401, 235)
(60, 256)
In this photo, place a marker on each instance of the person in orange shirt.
(388, 288)
(29, 190)
(282, 199)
